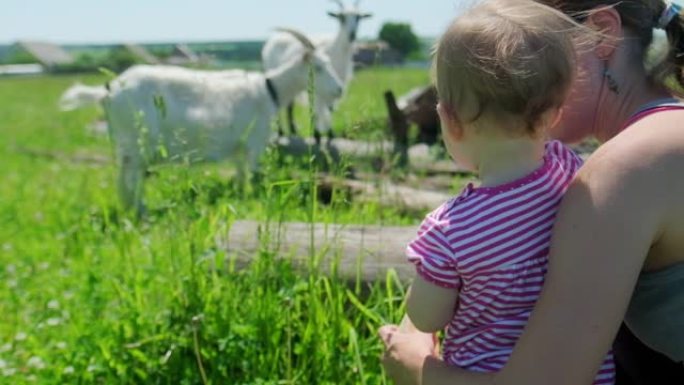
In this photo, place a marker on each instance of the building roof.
(141, 53)
(45, 53)
(183, 51)
(376, 52)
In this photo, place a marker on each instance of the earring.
(610, 79)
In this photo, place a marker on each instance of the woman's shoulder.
(641, 166)
(649, 147)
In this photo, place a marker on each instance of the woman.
(620, 230)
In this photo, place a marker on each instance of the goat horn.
(299, 36)
(339, 2)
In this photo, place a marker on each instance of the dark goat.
(416, 107)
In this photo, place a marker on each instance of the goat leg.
(279, 124)
(290, 119)
(130, 183)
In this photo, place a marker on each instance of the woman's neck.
(507, 160)
(635, 90)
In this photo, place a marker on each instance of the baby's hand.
(405, 353)
(406, 326)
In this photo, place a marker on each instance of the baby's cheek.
(572, 127)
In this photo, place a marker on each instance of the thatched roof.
(47, 54)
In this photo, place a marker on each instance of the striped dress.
(492, 245)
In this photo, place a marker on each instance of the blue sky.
(105, 21)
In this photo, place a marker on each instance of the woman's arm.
(607, 222)
(601, 238)
(430, 307)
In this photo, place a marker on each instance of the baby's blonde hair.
(505, 61)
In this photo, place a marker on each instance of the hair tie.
(669, 13)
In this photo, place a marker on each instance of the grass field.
(90, 296)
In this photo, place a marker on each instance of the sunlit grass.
(89, 295)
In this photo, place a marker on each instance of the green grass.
(91, 296)
(361, 113)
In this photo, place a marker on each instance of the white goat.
(80, 95)
(158, 114)
(281, 47)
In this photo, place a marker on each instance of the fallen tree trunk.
(77, 157)
(420, 157)
(362, 251)
(299, 146)
(389, 194)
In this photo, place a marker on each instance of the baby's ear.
(449, 121)
(556, 120)
(549, 120)
(444, 112)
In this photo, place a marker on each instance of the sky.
(148, 21)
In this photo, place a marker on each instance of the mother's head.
(614, 69)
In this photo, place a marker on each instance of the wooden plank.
(358, 250)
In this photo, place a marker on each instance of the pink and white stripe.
(492, 245)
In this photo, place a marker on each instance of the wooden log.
(421, 157)
(299, 146)
(390, 194)
(89, 158)
(362, 251)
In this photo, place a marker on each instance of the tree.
(120, 58)
(400, 36)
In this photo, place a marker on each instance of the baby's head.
(504, 68)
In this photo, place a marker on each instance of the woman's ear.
(449, 122)
(608, 23)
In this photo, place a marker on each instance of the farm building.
(182, 55)
(139, 52)
(21, 69)
(123, 56)
(376, 53)
(34, 57)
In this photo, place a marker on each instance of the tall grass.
(90, 296)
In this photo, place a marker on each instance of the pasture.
(89, 295)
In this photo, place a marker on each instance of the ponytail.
(670, 69)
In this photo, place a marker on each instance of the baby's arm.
(430, 307)
(432, 297)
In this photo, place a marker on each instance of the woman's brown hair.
(640, 17)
